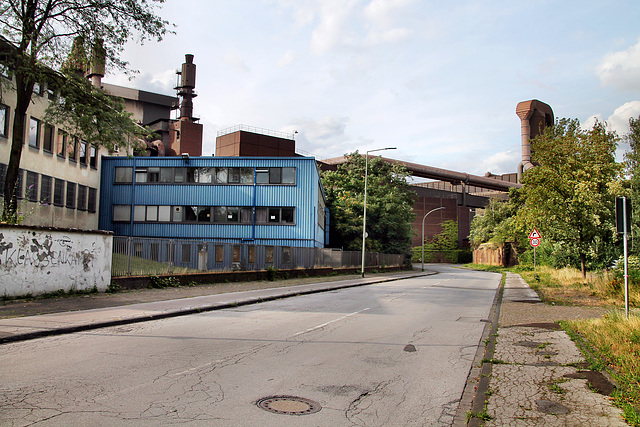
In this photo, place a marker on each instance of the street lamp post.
(423, 218)
(364, 216)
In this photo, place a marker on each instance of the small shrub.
(272, 273)
(113, 288)
(157, 282)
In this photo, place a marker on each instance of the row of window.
(65, 145)
(205, 214)
(48, 190)
(206, 175)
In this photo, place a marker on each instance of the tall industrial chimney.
(187, 84)
(186, 134)
(534, 117)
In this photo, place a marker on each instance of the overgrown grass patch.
(143, 267)
(615, 341)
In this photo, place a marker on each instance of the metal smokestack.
(187, 84)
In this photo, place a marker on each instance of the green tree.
(389, 205)
(497, 223)
(38, 35)
(567, 195)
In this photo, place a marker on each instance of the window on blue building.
(204, 214)
(164, 213)
(121, 213)
(123, 175)
(166, 175)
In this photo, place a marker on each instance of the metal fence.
(152, 256)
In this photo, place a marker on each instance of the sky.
(438, 80)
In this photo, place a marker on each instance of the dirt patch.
(596, 380)
(514, 313)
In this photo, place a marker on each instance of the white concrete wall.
(36, 260)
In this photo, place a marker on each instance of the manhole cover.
(288, 405)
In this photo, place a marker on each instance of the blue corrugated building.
(262, 201)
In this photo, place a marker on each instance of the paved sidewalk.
(536, 375)
(129, 308)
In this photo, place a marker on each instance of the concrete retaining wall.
(37, 260)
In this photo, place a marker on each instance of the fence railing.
(153, 256)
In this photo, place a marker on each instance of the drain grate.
(289, 405)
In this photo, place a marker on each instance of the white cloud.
(234, 60)
(323, 137)
(332, 29)
(286, 59)
(390, 36)
(382, 12)
(502, 162)
(619, 120)
(161, 82)
(621, 69)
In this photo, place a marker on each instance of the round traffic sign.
(535, 242)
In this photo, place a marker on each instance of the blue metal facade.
(306, 196)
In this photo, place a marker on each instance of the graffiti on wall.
(43, 251)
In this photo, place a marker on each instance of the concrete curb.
(282, 293)
(473, 395)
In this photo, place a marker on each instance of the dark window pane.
(46, 185)
(61, 145)
(190, 213)
(82, 197)
(287, 215)
(288, 175)
(261, 215)
(204, 214)
(234, 175)
(153, 175)
(220, 214)
(92, 200)
(166, 175)
(232, 214)
(84, 152)
(275, 175)
(274, 215)
(124, 175)
(72, 148)
(71, 195)
(179, 175)
(246, 216)
(31, 192)
(47, 142)
(192, 175)
(93, 157)
(58, 192)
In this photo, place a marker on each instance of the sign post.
(534, 239)
(623, 225)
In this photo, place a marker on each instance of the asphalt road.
(391, 354)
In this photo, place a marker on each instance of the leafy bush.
(157, 282)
